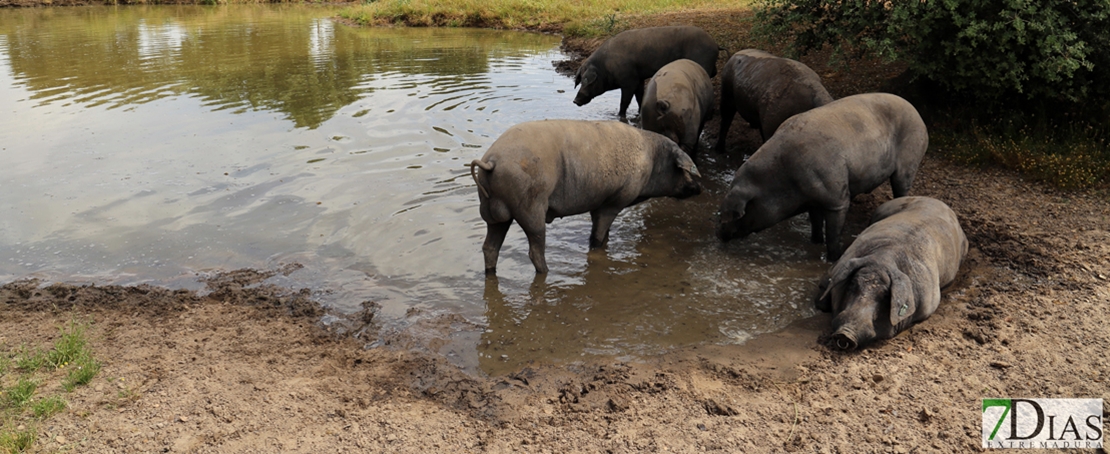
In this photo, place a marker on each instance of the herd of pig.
(817, 154)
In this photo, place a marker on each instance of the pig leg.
(816, 224)
(626, 99)
(691, 141)
(602, 221)
(834, 222)
(728, 111)
(495, 237)
(901, 182)
(536, 230)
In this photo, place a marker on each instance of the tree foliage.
(1046, 49)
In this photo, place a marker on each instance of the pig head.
(677, 103)
(626, 60)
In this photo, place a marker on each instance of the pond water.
(158, 144)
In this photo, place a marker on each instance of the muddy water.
(162, 144)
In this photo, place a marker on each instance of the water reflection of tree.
(283, 58)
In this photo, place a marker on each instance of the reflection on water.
(156, 144)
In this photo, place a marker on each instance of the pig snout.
(845, 340)
(851, 332)
(582, 99)
(687, 188)
(727, 225)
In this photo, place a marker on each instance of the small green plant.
(20, 393)
(16, 441)
(69, 347)
(49, 406)
(30, 359)
(84, 368)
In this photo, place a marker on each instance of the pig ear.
(578, 77)
(902, 303)
(589, 76)
(838, 276)
(662, 107)
(685, 163)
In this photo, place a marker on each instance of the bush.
(1048, 49)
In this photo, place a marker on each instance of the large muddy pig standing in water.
(766, 90)
(542, 170)
(892, 274)
(625, 61)
(677, 102)
(819, 159)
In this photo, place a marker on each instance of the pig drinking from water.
(891, 275)
(625, 61)
(542, 170)
(766, 90)
(677, 102)
(819, 159)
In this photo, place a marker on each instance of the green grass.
(1066, 157)
(15, 441)
(579, 18)
(69, 363)
(30, 359)
(82, 371)
(69, 347)
(47, 407)
(20, 393)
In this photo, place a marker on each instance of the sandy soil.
(248, 368)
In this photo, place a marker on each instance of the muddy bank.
(245, 367)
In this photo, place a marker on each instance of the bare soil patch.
(248, 368)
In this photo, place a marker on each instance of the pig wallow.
(892, 274)
(626, 60)
(766, 90)
(819, 159)
(677, 102)
(542, 170)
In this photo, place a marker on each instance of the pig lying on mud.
(766, 90)
(626, 60)
(542, 170)
(819, 159)
(892, 274)
(677, 102)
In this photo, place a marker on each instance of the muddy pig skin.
(626, 60)
(819, 159)
(892, 274)
(766, 90)
(677, 102)
(542, 170)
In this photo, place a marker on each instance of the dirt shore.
(248, 368)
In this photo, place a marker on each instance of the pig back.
(635, 55)
(871, 135)
(575, 164)
(928, 228)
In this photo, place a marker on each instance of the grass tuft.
(84, 368)
(49, 406)
(30, 359)
(19, 393)
(69, 346)
(17, 441)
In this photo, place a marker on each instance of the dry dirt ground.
(247, 368)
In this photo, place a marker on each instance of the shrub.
(1050, 49)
